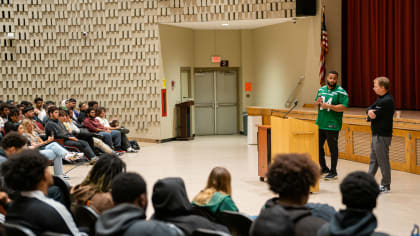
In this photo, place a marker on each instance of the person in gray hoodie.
(359, 192)
(128, 217)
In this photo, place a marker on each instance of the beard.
(332, 84)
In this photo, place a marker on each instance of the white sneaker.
(71, 156)
(80, 155)
(130, 149)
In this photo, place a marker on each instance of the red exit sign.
(215, 59)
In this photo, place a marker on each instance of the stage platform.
(355, 135)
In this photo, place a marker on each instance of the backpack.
(134, 145)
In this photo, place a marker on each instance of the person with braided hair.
(95, 189)
(290, 176)
(359, 192)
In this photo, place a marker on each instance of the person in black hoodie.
(128, 217)
(359, 191)
(171, 205)
(381, 115)
(290, 176)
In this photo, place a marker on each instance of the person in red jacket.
(111, 137)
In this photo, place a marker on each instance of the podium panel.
(294, 136)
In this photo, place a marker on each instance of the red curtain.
(382, 38)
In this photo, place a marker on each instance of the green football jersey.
(328, 119)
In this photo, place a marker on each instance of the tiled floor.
(193, 160)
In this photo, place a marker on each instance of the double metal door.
(216, 102)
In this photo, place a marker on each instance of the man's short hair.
(72, 100)
(81, 104)
(25, 170)
(13, 139)
(383, 82)
(62, 112)
(92, 103)
(49, 103)
(38, 99)
(52, 109)
(291, 175)
(26, 103)
(333, 72)
(3, 106)
(89, 110)
(359, 190)
(13, 112)
(26, 109)
(127, 187)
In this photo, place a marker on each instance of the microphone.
(291, 109)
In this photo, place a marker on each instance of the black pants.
(82, 145)
(332, 140)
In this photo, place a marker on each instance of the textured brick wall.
(116, 62)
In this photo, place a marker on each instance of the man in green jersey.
(332, 100)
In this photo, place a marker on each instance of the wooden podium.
(290, 135)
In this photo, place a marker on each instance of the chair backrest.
(64, 190)
(207, 232)
(237, 223)
(53, 234)
(17, 230)
(86, 217)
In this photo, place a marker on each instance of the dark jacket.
(351, 222)
(273, 221)
(127, 220)
(81, 117)
(10, 126)
(58, 129)
(305, 224)
(172, 205)
(41, 214)
(384, 111)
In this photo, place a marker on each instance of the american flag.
(324, 48)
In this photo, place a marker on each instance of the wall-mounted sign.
(224, 63)
(215, 59)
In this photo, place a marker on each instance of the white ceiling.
(233, 25)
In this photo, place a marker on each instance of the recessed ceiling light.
(225, 24)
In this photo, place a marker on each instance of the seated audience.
(87, 136)
(71, 106)
(39, 109)
(125, 143)
(4, 113)
(290, 176)
(359, 192)
(216, 196)
(55, 128)
(50, 149)
(110, 137)
(12, 123)
(27, 173)
(171, 205)
(73, 126)
(128, 217)
(82, 112)
(273, 221)
(11, 144)
(95, 189)
(29, 113)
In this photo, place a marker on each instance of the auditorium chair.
(237, 223)
(86, 217)
(207, 232)
(17, 230)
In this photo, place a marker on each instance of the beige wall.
(177, 45)
(280, 52)
(224, 43)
